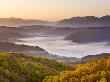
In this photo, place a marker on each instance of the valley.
(62, 44)
(46, 53)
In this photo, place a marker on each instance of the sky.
(53, 10)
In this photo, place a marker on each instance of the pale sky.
(53, 10)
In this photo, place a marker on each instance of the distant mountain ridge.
(22, 22)
(87, 21)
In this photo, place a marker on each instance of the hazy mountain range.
(80, 35)
(11, 29)
(86, 21)
(22, 22)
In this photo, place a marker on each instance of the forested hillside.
(90, 35)
(12, 47)
(16, 67)
(93, 71)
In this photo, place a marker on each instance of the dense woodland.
(16, 67)
(93, 71)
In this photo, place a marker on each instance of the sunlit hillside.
(93, 71)
(16, 67)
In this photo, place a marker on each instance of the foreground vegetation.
(94, 71)
(16, 67)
